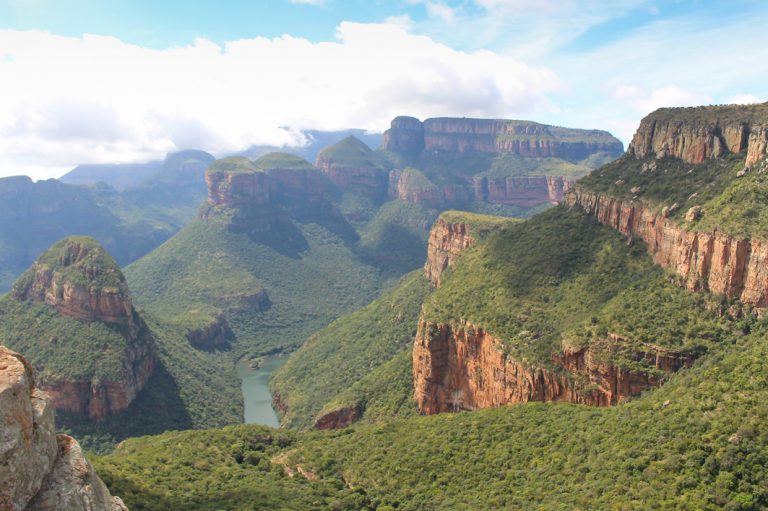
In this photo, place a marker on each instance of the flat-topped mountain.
(408, 135)
(700, 133)
(72, 313)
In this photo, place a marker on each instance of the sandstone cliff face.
(407, 135)
(246, 185)
(446, 241)
(67, 282)
(40, 471)
(465, 368)
(369, 181)
(338, 419)
(524, 192)
(214, 336)
(696, 134)
(707, 261)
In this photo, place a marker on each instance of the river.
(256, 396)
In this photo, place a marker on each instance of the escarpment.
(697, 134)
(496, 136)
(446, 241)
(79, 280)
(707, 261)
(274, 178)
(464, 367)
(41, 470)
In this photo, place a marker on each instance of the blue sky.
(86, 81)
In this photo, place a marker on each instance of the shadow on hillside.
(156, 409)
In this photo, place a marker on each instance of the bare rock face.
(41, 471)
(465, 368)
(524, 192)
(707, 261)
(214, 336)
(352, 165)
(338, 419)
(697, 134)
(446, 241)
(77, 278)
(496, 136)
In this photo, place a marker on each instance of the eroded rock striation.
(78, 279)
(352, 165)
(339, 419)
(524, 192)
(464, 367)
(496, 136)
(41, 470)
(707, 261)
(697, 134)
(446, 241)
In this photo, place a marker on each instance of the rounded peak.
(233, 165)
(283, 161)
(406, 123)
(78, 259)
(173, 159)
(349, 150)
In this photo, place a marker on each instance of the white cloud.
(743, 99)
(97, 99)
(440, 11)
(645, 101)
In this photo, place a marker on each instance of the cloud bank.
(68, 100)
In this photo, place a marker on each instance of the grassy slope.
(699, 442)
(349, 349)
(203, 270)
(731, 204)
(561, 275)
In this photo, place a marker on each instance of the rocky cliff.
(78, 279)
(696, 134)
(464, 367)
(524, 192)
(446, 241)
(216, 335)
(707, 261)
(408, 135)
(352, 165)
(41, 470)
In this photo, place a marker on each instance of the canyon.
(41, 471)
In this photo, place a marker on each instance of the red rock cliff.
(446, 241)
(696, 134)
(352, 165)
(524, 192)
(707, 261)
(525, 138)
(465, 368)
(77, 278)
(41, 471)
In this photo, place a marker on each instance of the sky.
(85, 81)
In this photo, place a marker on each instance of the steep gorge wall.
(466, 368)
(408, 135)
(41, 471)
(697, 134)
(707, 261)
(446, 241)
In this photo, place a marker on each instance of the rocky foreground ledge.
(40, 470)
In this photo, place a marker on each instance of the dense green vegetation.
(562, 275)
(60, 347)
(208, 269)
(696, 443)
(233, 165)
(347, 350)
(352, 152)
(395, 239)
(479, 225)
(512, 165)
(284, 161)
(730, 203)
(189, 389)
(720, 114)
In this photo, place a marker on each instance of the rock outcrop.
(466, 368)
(216, 335)
(446, 241)
(352, 165)
(77, 278)
(496, 136)
(338, 419)
(274, 178)
(41, 471)
(707, 261)
(697, 134)
(524, 192)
